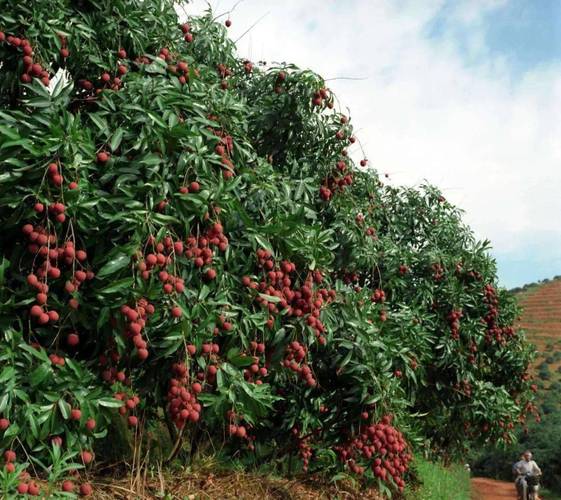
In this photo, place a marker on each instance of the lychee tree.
(186, 239)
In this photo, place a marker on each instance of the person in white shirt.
(522, 469)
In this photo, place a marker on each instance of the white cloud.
(487, 136)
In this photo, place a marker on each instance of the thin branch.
(251, 27)
(346, 78)
(228, 12)
(176, 446)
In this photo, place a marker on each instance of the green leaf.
(4, 264)
(117, 286)
(270, 298)
(118, 263)
(64, 408)
(116, 139)
(9, 372)
(39, 374)
(110, 402)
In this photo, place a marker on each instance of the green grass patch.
(439, 483)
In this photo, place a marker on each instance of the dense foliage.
(185, 238)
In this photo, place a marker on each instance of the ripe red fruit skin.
(36, 311)
(86, 489)
(102, 157)
(33, 490)
(4, 424)
(86, 456)
(68, 486)
(194, 187)
(73, 340)
(142, 354)
(43, 319)
(176, 312)
(132, 421)
(228, 23)
(90, 424)
(23, 488)
(10, 456)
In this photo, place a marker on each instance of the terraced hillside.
(541, 318)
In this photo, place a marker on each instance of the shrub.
(555, 386)
(187, 232)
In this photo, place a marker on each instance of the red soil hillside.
(541, 319)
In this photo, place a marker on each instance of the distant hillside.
(541, 319)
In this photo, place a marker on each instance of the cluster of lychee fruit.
(255, 373)
(320, 96)
(224, 72)
(200, 249)
(378, 296)
(453, 318)
(183, 406)
(127, 410)
(49, 263)
(135, 320)
(29, 487)
(304, 301)
(437, 271)
(31, 68)
(304, 447)
(294, 359)
(224, 149)
(494, 331)
(239, 430)
(382, 447)
(186, 30)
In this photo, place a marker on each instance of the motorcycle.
(533, 482)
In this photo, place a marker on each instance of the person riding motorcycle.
(526, 473)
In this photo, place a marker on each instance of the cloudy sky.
(465, 94)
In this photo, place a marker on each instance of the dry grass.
(205, 484)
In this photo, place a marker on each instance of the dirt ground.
(489, 489)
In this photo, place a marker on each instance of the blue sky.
(526, 33)
(464, 94)
(523, 35)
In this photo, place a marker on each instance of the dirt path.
(489, 489)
